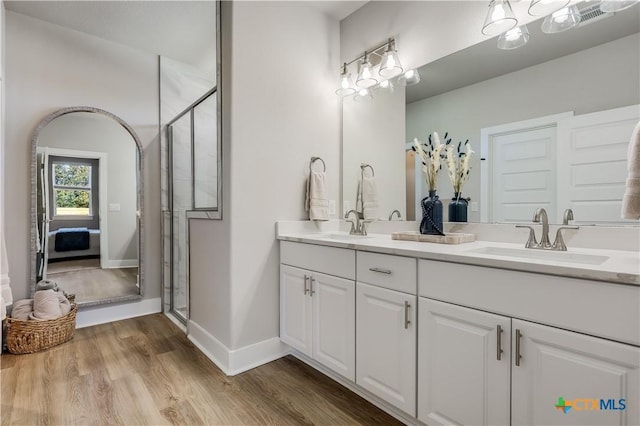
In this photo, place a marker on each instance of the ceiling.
(338, 9)
(181, 30)
(484, 60)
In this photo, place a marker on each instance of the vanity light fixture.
(346, 85)
(514, 38)
(500, 18)
(546, 7)
(409, 78)
(561, 20)
(390, 64)
(383, 59)
(365, 74)
(616, 5)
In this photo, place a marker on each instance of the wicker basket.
(25, 337)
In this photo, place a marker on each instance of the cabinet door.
(460, 378)
(334, 323)
(295, 308)
(386, 345)
(566, 378)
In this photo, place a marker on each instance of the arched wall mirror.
(87, 205)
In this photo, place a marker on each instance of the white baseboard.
(235, 361)
(100, 314)
(122, 263)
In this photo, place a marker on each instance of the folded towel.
(49, 304)
(631, 198)
(369, 198)
(316, 202)
(21, 309)
(46, 285)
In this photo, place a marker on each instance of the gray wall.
(47, 68)
(600, 78)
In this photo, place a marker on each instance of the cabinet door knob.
(306, 284)
(407, 321)
(518, 356)
(499, 342)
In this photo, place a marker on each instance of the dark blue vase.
(431, 215)
(458, 208)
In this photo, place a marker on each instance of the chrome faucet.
(540, 216)
(358, 226)
(394, 212)
(568, 215)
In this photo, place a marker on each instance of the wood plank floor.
(144, 371)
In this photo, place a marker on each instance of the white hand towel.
(369, 198)
(631, 198)
(6, 295)
(316, 200)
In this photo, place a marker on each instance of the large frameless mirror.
(549, 122)
(86, 215)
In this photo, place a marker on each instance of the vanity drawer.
(384, 270)
(329, 260)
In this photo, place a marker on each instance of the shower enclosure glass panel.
(181, 196)
(205, 154)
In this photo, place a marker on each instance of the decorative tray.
(450, 238)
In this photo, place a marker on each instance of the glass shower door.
(180, 142)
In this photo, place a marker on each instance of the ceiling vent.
(591, 13)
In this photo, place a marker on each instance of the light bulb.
(409, 78)
(514, 38)
(346, 85)
(500, 18)
(561, 20)
(365, 75)
(546, 7)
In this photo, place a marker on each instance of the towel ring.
(364, 166)
(314, 159)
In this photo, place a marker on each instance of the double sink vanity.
(485, 332)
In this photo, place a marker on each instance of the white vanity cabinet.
(464, 358)
(461, 379)
(317, 310)
(386, 328)
(581, 369)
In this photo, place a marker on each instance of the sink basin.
(343, 236)
(555, 256)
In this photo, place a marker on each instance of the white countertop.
(621, 267)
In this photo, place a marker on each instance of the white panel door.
(564, 371)
(334, 323)
(523, 174)
(386, 345)
(594, 148)
(462, 379)
(295, 308)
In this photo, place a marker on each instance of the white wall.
(279, 110)
(47, 68)
(570, 83)
(98, 133)
(379, 142)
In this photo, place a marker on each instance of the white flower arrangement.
(458, 164)
(431, 155)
